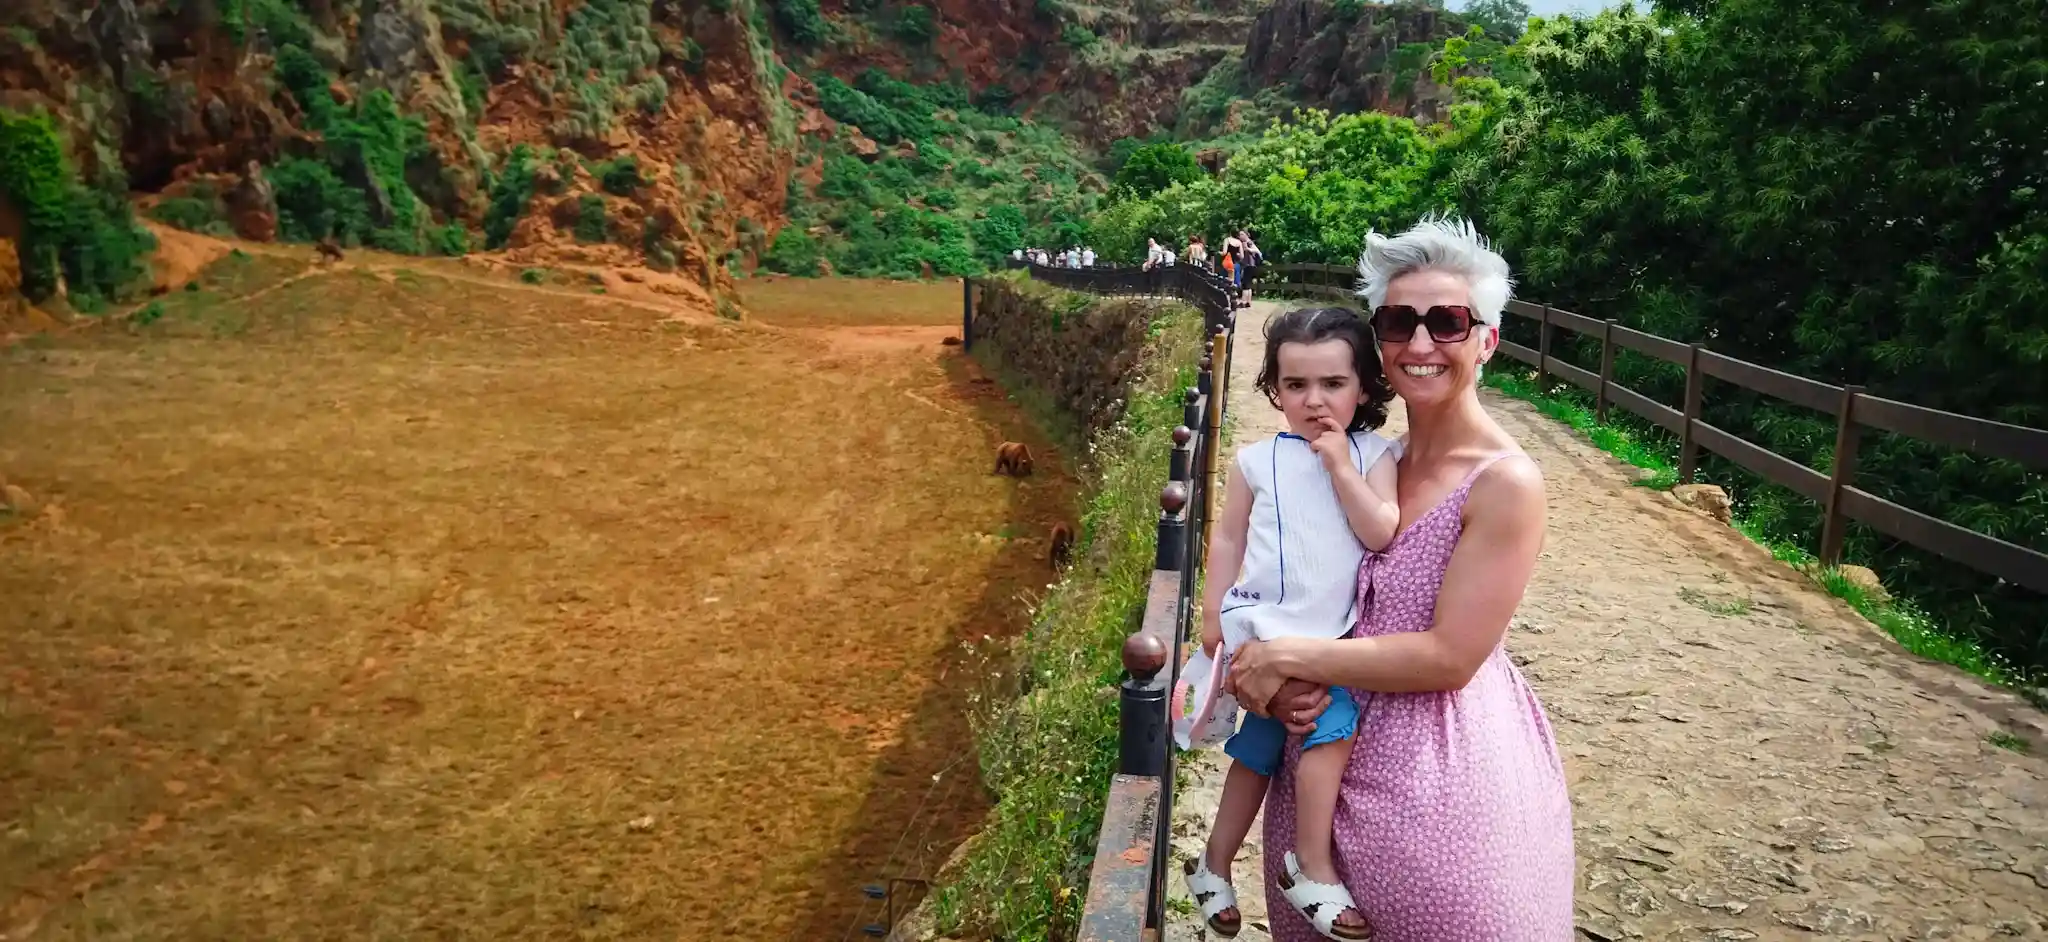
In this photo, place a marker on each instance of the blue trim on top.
(1280, 519)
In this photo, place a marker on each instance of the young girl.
(1299, 511)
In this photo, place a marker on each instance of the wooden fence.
(1852, 408)
(1126, 899)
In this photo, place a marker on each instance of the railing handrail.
(1126, 898)
(1851, 407)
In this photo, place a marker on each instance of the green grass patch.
(2010, 742)
(1906, 622)
(1614, 440)
(1048, 730)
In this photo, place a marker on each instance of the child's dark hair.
(1315, 325)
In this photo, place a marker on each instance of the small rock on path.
(1748, 758)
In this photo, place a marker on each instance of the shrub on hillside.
(84, 232)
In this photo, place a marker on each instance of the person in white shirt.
(1153, 253)
(1302, 512)
(1087, 257)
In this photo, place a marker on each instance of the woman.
(1454, 824)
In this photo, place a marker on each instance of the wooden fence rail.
(1126, 899)
(1852, 408)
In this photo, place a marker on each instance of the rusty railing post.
(1141, 711)
(1606, 371)
(1835, 525)
(1543, 351)
(1212, 433)
(1180, 459)
(1172, 527)
(966, 314)
(1688, 449)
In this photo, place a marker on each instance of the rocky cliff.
(610, 131)
(669, 133)
(1352, 56)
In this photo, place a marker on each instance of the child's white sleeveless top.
(1300, 572)
(1299, 577)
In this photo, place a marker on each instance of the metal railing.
(1852, 409)
(1209, 292)
(1126, 899)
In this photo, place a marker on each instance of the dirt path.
(1748, 758)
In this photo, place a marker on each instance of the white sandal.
(1320, 903)
(1214, 894)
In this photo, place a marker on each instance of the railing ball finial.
(1207, 363)
(1173, 497)
(1192, 396)
(1144, 656)
(1182, 434)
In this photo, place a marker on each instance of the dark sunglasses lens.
(1448, 323)
(1395, 323)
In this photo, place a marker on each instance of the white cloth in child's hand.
(1203, 715)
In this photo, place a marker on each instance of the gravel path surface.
(1749, 759)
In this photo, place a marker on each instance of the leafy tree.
(1841, 194)
(1154, 167)
(1506, 18)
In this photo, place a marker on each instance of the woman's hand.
(1257, 682)
(1298, 704)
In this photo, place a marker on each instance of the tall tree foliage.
(1311, 187)
(1849, 191)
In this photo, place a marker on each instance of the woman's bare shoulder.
(1513, 482)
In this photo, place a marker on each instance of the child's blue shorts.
(1260, 740)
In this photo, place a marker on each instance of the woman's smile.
(1423, 370)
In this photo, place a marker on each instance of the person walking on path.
(1453, 821)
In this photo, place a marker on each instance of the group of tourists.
(1079, 256)
(1358, 593)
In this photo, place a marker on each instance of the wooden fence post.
(1688, 449)
(1835, 524)
(1606, 371)
(1543, 351)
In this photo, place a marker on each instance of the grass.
(1724, 608)
(2010, 742)
(1048, 730)
(1900, 618)
(410, 608)
(852, 301)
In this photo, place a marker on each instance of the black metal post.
(1141, 709)
(1172, 527)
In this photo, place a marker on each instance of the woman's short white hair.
(1437, 243)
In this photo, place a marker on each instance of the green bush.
(620, 176)
(197, 211)
(452, 240)
(313, 203)
(510, 190)
(85, 232)
(803, 21)
(590, 219)
(794, 252)
(914, 24)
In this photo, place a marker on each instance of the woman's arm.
(1226, 554)
(1489, 570)
(1369, 500)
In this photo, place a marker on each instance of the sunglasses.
(1446, 323)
